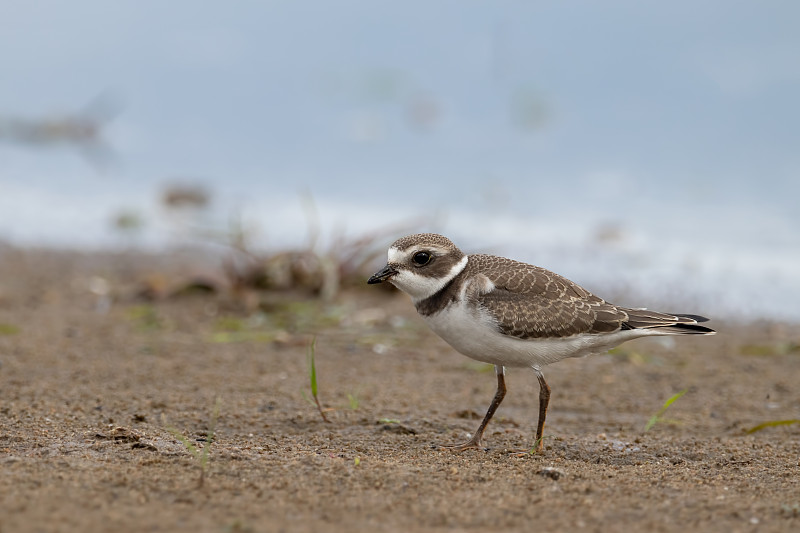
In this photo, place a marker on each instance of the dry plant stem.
(475, 441)
(321, 412)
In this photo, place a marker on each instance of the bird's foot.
(536, 449)
(471, 444)
(525, 453)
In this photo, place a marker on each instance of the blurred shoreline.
(648, 154)
(301, 274)
(709, 261)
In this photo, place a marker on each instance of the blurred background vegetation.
(635, 148)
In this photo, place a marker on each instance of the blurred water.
(648, 153)
(726, 261)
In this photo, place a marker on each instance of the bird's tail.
(666, 323)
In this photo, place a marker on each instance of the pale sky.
(322, 92)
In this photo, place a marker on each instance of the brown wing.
(532, 302)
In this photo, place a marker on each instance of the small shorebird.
(509, 313)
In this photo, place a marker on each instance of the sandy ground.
(94, 391)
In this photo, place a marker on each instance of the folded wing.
(531, 302)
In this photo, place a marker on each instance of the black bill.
(382, 275)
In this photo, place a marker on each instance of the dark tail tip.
(690, 329)
(696, 318)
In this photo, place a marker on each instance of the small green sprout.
(145, 318)
(535, 446)
(656, 418)
(352, 400)
(9, 329)
(312, 376)
(790, 511)
(202, 456)
(479, 367)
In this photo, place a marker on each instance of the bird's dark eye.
(422, 258)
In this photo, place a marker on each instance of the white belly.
(474, 334)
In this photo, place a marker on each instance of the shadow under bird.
(512, 314)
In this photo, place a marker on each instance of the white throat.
(420, 287)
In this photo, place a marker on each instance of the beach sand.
(96, 381)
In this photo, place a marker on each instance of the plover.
(512, 314)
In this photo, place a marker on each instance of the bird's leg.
(544, 400)
(475, 441)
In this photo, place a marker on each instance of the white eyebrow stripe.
(395, 255)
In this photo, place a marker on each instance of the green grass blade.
(312, 369)
(189, 445)
(535, 447)
(656, 418)
(352, 399)
(9, 329)
(312, 375)
(772, 423)
(306, 398)
(210, 435)
(672, 400)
